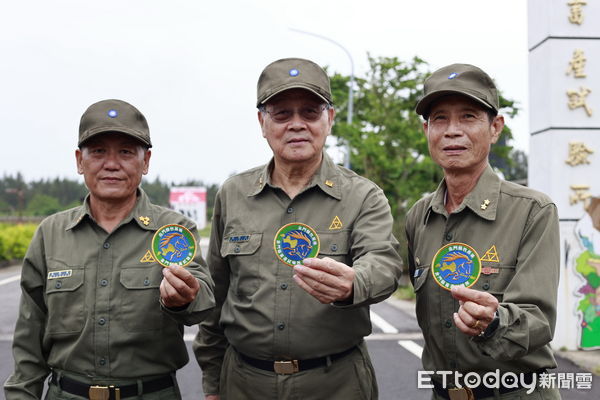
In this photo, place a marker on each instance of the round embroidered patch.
(294, 242)
(173, 245)
(456, 264)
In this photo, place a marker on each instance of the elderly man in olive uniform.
(299, 249)
(104, 295)
(483, 253)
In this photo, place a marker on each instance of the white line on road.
(9, 280)
(382, 324)
(403, 337)
(411, 347)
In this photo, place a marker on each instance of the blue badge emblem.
(113, 113)
(456, 264)
(294, 242)
(173, 245)
(452, 75)
(294, 72)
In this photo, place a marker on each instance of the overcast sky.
(191, 67)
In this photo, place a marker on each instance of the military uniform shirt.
(101, 316)
(514, 230)
(261, 311)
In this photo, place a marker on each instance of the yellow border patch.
(448, 258)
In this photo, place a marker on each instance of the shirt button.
(106, 245)
(290, 210)
(58, 285)
(103, 282)
(448, 236)
(101, 321)
(486, 286)
(448, 323)
(334, 247)
(102, 361)
(283, 286)
(146, 282)
(237, 249)
(281, 326)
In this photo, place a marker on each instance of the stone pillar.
(564, 154)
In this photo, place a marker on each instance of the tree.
(386, 138)
(42, 205)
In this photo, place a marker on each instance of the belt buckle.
(463, 393)
(103, 392)
(286, 367)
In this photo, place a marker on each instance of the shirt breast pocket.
(140, 306)
(335, 245)
(421, 277)
(65, 298)
(241, 251)
(496, 280)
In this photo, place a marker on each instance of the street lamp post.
(350, 87)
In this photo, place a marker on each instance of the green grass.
(205, 233)
(405, 293)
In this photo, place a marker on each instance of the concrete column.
(564, 155)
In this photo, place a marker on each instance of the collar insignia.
(173, 245)
(456, 264)
(485, 204)
(294, 242)
(329, 183)
(145, 220)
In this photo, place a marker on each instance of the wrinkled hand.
(178, 287)
(325, 279)
(474, 306)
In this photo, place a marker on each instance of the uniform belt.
(110, 392)
(482, 392)
(286, 367)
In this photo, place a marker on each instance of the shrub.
(14, 240)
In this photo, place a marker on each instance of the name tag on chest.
(60, 274)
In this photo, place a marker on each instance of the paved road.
(395, 347)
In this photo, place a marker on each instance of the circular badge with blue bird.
(173, 245)
(456, 264)
(294, 242)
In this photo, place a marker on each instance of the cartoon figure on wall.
(587, 266)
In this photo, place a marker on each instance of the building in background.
(191, 202)
(564, 155)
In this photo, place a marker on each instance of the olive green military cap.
(464, 79)
(292, 73)
(114, 116)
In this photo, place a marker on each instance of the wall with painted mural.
(587, 266)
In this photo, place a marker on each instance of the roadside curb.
(584, 359)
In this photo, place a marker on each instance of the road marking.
(408, 336)
(9, 280)
(411, 347)
(382, 324)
